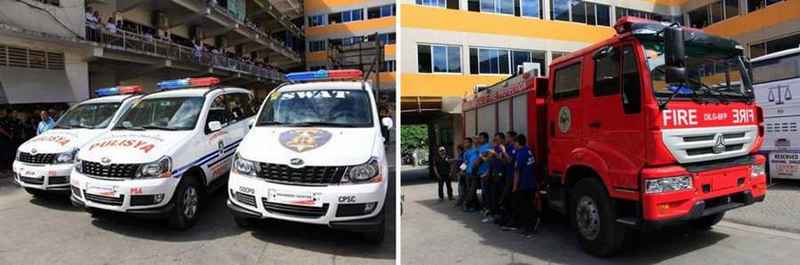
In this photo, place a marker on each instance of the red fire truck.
(652, 127)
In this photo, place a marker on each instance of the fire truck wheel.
(187, 204)
(706, 222)
(35, 192)
(594, 218)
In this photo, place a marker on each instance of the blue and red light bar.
(187, 83)
(324, 75)
(118, 90)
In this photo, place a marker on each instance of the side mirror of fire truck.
(675, 55)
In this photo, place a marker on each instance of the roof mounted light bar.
(118, 90)
(321, 75)
(187, 83)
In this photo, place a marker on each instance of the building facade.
(450, 46)
(357, 34)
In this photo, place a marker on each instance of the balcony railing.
(150, 45)
(276, 44)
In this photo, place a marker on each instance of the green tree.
(413, 136)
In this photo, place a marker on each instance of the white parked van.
(166, 152)
(43, 163)
(315, 155)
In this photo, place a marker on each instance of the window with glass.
(713, 13)
(567, 82)
(317, 108)
(493, 61)
(776, 45)
(317, 20)
(88, 116)
(530, 8)
(346, 16)
(606, 72)
(380, 11)
(622, 12)
(389, 66)
(439, 58)
(387, 38)
(435, 3)
(753, 5)
(171, 114)
(316, 45)
(782, 68)
(581, 12)
(497, 6)
(631, 82)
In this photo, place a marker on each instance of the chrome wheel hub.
(587, 218)
(190, 201)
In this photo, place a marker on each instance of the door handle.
(594, 124)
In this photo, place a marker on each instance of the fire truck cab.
(654, 126)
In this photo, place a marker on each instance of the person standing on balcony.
(91, 24)
(118, 19)
(111, 27)
(198, 50)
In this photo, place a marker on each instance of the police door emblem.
(719, 144)
(301, 140)
(564, 119)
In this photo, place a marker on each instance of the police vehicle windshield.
(88, 116)
(711, 73)
(308, 108)
(171, 114)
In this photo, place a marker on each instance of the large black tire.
(594, 219)
(376, 236)
(244, 222)
(37, 193)
(706, 222)
(187, 204)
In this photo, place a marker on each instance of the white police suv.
(43, 163)
(166, 152)
(316, 156)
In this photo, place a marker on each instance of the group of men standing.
(503, 169)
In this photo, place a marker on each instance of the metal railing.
(151, 45)
(276, 44)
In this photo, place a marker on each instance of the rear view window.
(567, 82)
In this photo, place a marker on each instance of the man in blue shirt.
(470, 202)
(508, 181)
(46, 124)
(482, 164)
(524, 189)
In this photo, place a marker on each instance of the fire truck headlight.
(245, 167)
(161, 168)
(669, 184)
(66, 157)
(758, 170)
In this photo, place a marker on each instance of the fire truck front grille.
(692, 145)
(109, 171)
(300, 211)
(36, 158)
(310, 175)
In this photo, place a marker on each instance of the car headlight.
(245, 167)
(161, 168)
(758, 170)
(363, 173)
(669, 184)
(66, 157)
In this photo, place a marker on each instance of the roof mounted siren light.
(187, 83)
(321, 75)
(118, 90)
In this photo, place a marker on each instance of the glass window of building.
(753, 5)
(317, 20)
(380, 11)
(698, 18)
(775, 45)
(316, 45)
(438, 58)
(434, 3)
(581, 12)
(560, 10)
(531, 8)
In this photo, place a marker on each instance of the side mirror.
(214, 126)
(387, 122)
(675, 55)
(251, 123)
(675, 75)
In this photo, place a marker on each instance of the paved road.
(778, 211)
(51, 231)
(435, 231)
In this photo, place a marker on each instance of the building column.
(545, 9)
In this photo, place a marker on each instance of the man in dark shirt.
(441, 168)
(6, 140)
(524, 188)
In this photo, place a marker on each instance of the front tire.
(594, 219)
(706, 222)
(187, 205)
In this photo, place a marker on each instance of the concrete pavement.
(435, 232)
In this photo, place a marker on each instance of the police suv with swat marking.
(44, 162)
(166, 152)
(316, 156)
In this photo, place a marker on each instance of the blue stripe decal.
(220, 160)
(206, 158)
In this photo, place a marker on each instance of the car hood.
(126, 147)
(59, 140)
(314, 146)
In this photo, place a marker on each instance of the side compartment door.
(565, 115)
(615, 129)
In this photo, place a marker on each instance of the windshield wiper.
(709, 91)
(133, 128)
(59, 126)
(319, 123)
(265, 123)
(154, 127)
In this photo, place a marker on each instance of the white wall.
(66, 20)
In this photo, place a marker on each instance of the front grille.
(37, 158)
(109, 171)
(693, 145)
(246, 198)
(312, 175)
(76, 191)
(293, 210)
(709, 150)
(105, 200)
(57, 180)
(33, 181)
(142, 200)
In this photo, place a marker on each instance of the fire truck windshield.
(712, 73)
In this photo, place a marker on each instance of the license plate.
(310, 199)
(105, 191)
(28, 173)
